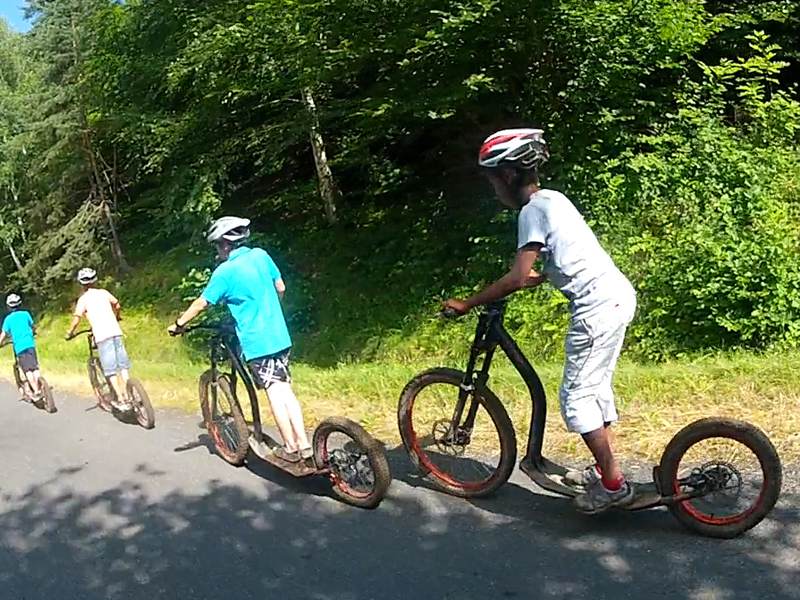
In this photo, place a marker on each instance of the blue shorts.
(113, 357)
(28, 361)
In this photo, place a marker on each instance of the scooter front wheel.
(469, 459)
(19, 378)
(103, 391)
(729, 472)
(355, 460)
(223, 418)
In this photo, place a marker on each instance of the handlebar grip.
(449, 313)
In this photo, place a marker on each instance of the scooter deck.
(264, 451)
(550, 476)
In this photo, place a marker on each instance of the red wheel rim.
(222, 448)
(432, 468)
(703, 517)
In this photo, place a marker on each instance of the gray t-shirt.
(573, 260)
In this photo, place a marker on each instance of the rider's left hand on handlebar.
(453, 305)
(175, 329)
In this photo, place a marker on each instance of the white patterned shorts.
(271, 368)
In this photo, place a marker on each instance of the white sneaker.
(123, 405)
(598, 499)
(583, 478)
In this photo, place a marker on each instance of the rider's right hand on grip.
(449, 313)
(175, 330)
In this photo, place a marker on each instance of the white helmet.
(87, 275)
(518, 148)
(13, 301)
(232, 229)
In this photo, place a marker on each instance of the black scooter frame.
(490, 334)
(224, 348)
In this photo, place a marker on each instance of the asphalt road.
(94, 508)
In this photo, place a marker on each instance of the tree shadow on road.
(284, 542)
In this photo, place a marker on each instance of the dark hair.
(523, 177)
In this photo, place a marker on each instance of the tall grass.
(655, 400)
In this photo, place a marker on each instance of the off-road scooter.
(717, 476)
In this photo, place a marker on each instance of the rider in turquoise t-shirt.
(249, 283)
(246, 284)
(18, 325)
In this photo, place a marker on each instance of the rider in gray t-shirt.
(573, 260)
(601, 301)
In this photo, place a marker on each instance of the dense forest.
(348, 131)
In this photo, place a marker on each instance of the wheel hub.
(352, 466)
(717, 480)
(448, 441)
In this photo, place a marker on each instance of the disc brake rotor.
(720, 481)
(447, 441)
(352, 466)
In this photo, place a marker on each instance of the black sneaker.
(286, 456)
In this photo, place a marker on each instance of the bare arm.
(2, 337)
(195, 308)
(521, 275)
(117, 308)
(73, 326)
(280, 286)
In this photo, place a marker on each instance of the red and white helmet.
(518, 148)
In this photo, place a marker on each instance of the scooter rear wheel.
(48, 403)
(464, 463)
(725, 462)
(355, 460)
(142, 408)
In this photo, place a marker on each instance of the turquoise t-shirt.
(19, 325)
(246, 284)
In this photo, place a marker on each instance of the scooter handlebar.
(449, 313)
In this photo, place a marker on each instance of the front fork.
(458, 432)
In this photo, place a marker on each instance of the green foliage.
(706, 213)
(673, 125)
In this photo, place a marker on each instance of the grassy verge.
(654, 400)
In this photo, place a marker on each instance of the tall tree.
(81, 210)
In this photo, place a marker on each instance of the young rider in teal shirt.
(18, 325)
(249, 283)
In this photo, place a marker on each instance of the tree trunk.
(98, 179)
(14, 256)
(15, 191)
(116, 247)
(327, 185)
